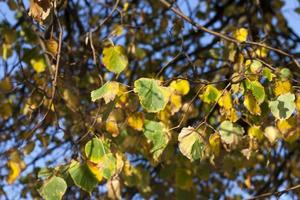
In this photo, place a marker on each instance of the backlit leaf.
(226, 100)
(115, 59)
(210, 95)
(82, 176)
(95, 149)
(180, 86)
(53, 189)
(251, 104)
(241, 34)
(136, 121)
(153, 97)
(282, 87)
(38, 64)
(256, 132)
(108, 92)
(257, 90)
(230, 133)
(284, 106)
(215, 143)
(272, 134)
(191, 144)
(156, 132)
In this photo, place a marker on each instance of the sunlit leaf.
(180, 86)
(272, 134)
(284, 106)
(255, 66)
(108, 92)
(251, 104)
(115, 59)
(285, 74)
(53, 189)
(82, 176)
(52, 46)
(257, 90)
(282, 87)
(136, 121)
(215, 143)
(210, 95)
(226, 100)
(230, 133)
(38, 64)
(95, 149)
(256, 132)
(268, 74)
(191, 144)
(153, 97)
(175, 103)
(241, 34)
(156, 132)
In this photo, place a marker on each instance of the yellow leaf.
(15, 166)
(38, 64)
(5, 85)
(288, 128)
(14, 171)
(117, 30)
(95, 170)
(210, 95)
(252, 105)
(164, 115)
(226, 100)
(285, 125)
(262, 52)
(123, 96)
(40, 10)
(175, 103)
(298, 103)
(247, 182)
(112, 128)
(282, 87)
(215, 143)
(255, 132)
(272, 134)
(241, 34)
(52, 46)
(136, 121)
(6, 110)
(180, 86)
(232, 115)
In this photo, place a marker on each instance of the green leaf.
(115, 59)
(53, 189)
(191, 144)
(108, 92)
(230, 133)
(95, 149)
(108, 163)
(284, 106)
(153, 97)
(82, 176)
(257, 90)
(210, 95)
(268, 74)
(285, 74)
(157, 134)
(255, 66)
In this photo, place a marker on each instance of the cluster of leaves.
(138, 128)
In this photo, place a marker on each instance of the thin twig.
(278, 193)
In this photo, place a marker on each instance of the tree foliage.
(153, 98)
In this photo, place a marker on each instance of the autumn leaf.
(241, 34)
